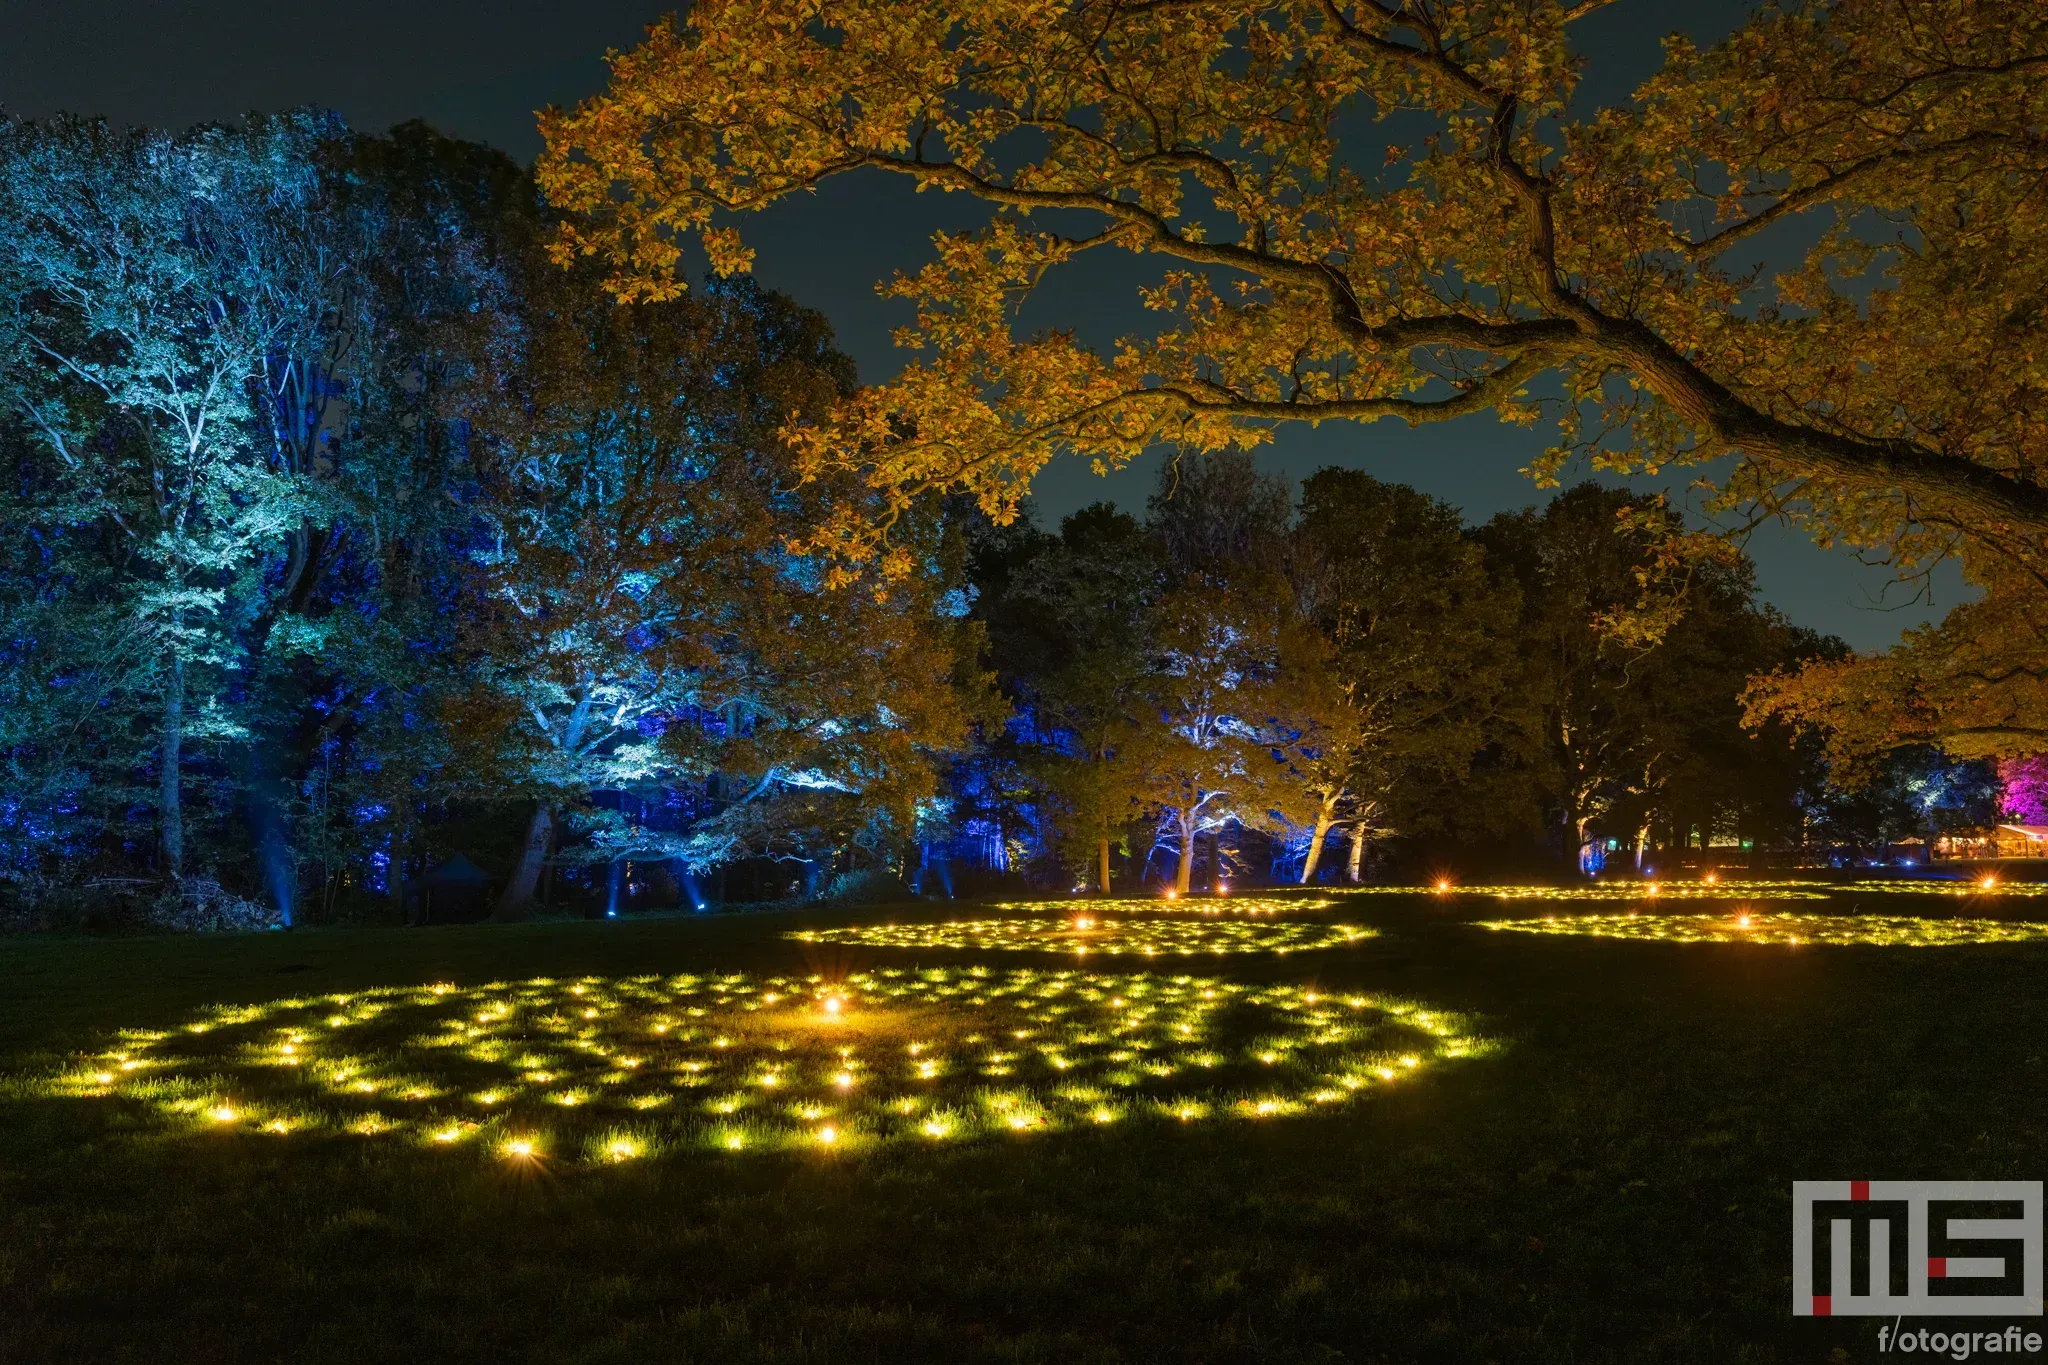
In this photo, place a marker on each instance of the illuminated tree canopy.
(340, 521)
(370, 499)
(1504, 236)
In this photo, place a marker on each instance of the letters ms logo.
(1921, 1248)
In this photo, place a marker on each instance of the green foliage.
(1420, 638)
(1167, 677)
(643, 622)
(1370, 668)
(1635, 640)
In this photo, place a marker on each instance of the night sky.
(479, 68)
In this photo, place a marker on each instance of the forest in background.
(351, 539)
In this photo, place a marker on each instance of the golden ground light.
(1624, 891)
(1082, 933)
(1719, 889)
(1792, 930)
(606, 1071)
(1979, 884)
(1173, 905)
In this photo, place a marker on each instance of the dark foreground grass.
(1612, 1185)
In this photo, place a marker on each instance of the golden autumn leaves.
(1302, 285)
(1600, 271)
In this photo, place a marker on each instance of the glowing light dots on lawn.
(1986, 885)
(1616, 891)
(1224, 903)
(1790, 930)
(1085, 935)
(1712, 887)
(513, 1072)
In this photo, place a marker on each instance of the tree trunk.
(1315, 845)
(1642, 844)
(394, 877)
(1102, 864)
(1356, 872)
(169, 803)
(1185, 877)
(516, 903)
(547, 885)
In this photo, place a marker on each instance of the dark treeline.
(358, 554)
(1247, 683)
(1343, 681)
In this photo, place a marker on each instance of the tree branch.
(1828, 187)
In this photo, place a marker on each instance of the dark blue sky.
(479, 68)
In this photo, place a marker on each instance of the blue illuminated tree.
(149, 279)
(1077, 620)
(639, 619)
(235, 346)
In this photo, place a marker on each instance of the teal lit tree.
(640, 618)
(149, 281)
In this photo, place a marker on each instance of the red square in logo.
(1859, 1189)
(1820, 1306)
(1937, 1267)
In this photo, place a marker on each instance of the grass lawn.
(1612, 1183)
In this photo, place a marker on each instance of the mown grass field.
(1612, 1184)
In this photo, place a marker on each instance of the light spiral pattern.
(612, 1070)
(1792, 930)
(1084, 934)
(1987, 884)
(1171, 905)
(1622, 891)
(1984, 885)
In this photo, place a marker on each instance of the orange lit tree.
(1506, 253)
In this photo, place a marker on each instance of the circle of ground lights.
(1173, 905)
(1985, 884)
(1084, 934)
(1791, 930)
(611, 1071)
(1621, 891)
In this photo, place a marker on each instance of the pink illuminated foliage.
(2024, 789)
